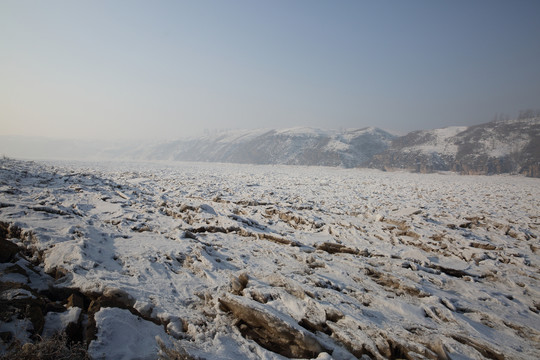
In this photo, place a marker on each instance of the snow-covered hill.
(511, 146)
(295, 146)
(269, 262)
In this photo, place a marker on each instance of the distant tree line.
(528, 114)
(523, 114)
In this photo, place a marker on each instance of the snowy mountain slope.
(235, 261)
(511, 146)
(429, 141)
(296, 146)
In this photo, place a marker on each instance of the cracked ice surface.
(366, 262)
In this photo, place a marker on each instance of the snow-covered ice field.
(266, 262)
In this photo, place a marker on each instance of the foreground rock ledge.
(271, 329)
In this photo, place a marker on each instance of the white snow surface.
(337, 145)
(124, 336)
(303, 131)
(440, 260)
(240, 136)
(511, 143)
(441, 142)
(57, 322)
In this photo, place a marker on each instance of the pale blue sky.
(169, 69)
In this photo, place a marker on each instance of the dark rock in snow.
(8, 250)
(268, 328)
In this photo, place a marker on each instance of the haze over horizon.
(171, 69)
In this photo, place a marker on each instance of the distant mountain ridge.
(295, 146)
(509, 146)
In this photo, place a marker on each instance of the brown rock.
(35, 314)
(6, 336)
(266, 327)
(15, 269)
(59, 272)
(74, 331)
(333, 248)
(8, 250)
(238, 284)
(113, 297)
(75, 300)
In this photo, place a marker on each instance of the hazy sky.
(169, 69)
